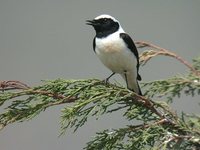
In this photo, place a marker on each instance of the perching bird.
(116, 50)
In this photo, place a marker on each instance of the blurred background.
(48, 39)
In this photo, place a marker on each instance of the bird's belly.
(117, 58)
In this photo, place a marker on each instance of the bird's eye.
(105, 19)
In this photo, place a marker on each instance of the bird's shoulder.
(130, 44)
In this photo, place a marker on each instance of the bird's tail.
(132, 83)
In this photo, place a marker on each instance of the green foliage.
(196, 63)
(127, 138)
(170, 88)
(159, 127)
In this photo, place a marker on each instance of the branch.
(12, 85)
(146, 56)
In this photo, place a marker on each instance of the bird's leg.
(125, 74)
(106, 80)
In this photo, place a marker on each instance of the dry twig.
(146, 56)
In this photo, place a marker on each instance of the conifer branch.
(159, 128)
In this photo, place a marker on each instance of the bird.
(116, 50)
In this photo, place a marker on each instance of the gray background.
(48, 39)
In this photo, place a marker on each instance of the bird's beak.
(91, 22)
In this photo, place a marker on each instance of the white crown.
(106, 16)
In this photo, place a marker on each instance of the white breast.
(114, 54)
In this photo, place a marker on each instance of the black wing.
(94, 44)
(130, 44)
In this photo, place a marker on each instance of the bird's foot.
(107, 79)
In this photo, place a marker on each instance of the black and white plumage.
(116, 50)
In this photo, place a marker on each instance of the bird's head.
(104, 25)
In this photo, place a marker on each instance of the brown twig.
(17, 85)
(12, 85)
(178, 138)
(144, 126)
(148, 104)
(146, 56)
(65, 99)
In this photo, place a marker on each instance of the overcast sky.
(48, 39)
